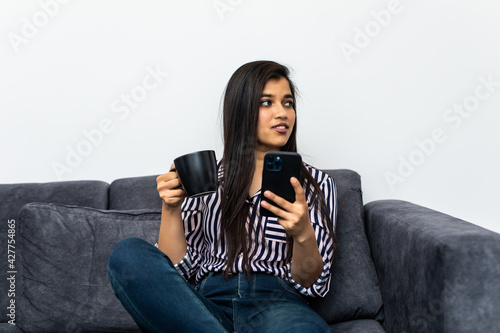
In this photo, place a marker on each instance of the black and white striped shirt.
(267, 254)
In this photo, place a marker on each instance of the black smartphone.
(279, 167)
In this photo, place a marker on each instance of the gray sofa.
(400, 267)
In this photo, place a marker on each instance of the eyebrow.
(268, 95)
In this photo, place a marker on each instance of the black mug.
(197, 173)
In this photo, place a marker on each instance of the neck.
(257, 174)
(259, 161)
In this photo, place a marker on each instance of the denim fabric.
(160, 300)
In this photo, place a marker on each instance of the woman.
(250, 273)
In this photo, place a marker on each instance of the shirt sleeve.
(323, 237)
(192, 217)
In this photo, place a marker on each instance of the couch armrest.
(437, 273)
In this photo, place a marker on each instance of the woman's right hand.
(170, 190)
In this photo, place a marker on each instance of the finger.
(284, 217)
(172, 194)
(179, 186)
(167, 176)
(173, 169)
(299, 190)
(169, 184)
(178, 191)
(275, 198)
(175, 184)
(284, 205)
(274, 209)
(173, 201)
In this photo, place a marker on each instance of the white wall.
(375, 78)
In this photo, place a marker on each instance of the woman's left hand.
(294, 217)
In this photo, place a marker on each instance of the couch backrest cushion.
(64, 255)
(354, 287)
(134, 193)
(14, 196)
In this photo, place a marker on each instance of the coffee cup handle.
(179, 187)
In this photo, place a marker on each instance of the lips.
(281, 128)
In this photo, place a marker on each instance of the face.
(276, 115)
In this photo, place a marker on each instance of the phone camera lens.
(273, 163)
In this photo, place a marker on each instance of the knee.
(126, 252)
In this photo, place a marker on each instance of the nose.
(280, 112)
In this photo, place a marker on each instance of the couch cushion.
(354, 287)
(358, 326)
(134, 193)
(8, 328)
(64, 266)
(14, 196)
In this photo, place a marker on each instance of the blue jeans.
(160, 300)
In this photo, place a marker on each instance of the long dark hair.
(240, 117)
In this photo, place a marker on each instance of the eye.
(265, 102)
(288, 104)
